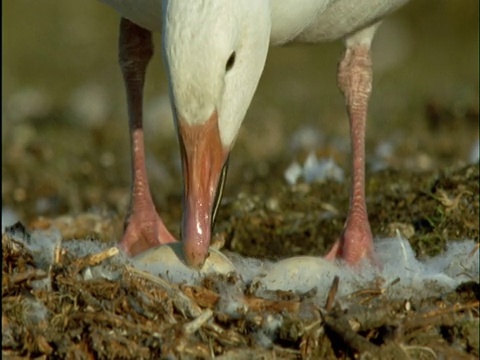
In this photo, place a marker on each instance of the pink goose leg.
(355, 82)
(143, 227)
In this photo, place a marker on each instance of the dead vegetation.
(61, 312)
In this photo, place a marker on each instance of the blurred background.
(65, 142)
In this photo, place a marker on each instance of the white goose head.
(214, 52)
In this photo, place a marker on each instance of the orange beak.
(204, 169)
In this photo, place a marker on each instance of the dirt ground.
(58, 171)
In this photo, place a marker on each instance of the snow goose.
(215, 51)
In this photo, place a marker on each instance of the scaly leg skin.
(355, 82)
(143, 227)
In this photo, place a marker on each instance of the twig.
(277, 306)
(342, 328)
(95, 259)
(202, 296)
(474, 250)
(33, 274)
(181, 301)
(332, 293)
(439, 316)
(193, 326)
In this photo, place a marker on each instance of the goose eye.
(230, 61)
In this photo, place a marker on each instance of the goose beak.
(204, 170)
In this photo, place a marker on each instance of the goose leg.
(143, 227)
(355, 83)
